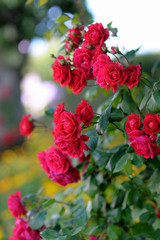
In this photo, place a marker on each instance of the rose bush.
(111, 153)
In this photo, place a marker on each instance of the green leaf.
(145, 100)
(154, 102)
(116, 156)
(103, 120)
(144, 217)
(38, 221)
(49, 112)
(154, 181)
(128, 105)
(113, 232)
(42, 2)
(116, 115)
(144, 230)
(122, 162)
(76, 19)
(49, 234)
(48, 203)
(155, 66)
(131, 54)
(138, 160)
(128, 168)
(62, 18)
(92, 143)
(62, 28)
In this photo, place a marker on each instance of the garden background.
(26, 77)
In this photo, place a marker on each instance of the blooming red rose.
(100, 63)
(78, 80)
(71, 176)
(61, 71)
(96, 34)
(132, 75)
(97, 51)
(57, 112)
(23, 231)
(151, 124)
(74, 148)
(142, 144)
(68, 127)
(26, 125)
(42, 157)
(15, 205)
(82, 58)
(85, 112)
(114, 74)
(133, 123)
(59, 166)
(57, 161)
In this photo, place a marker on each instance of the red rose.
(142, 144)
(132, 75)
(96, 34)
(68, 127)
(23, 231)
(151, 124)
(59, 166)
(57, 112)
(61, 71)
(75, 35)
(74, 38)
(114, 74)
(57, 161)
(78, 80)
(15, 205)
(99, 50)
(71, 176)
(73, 148)
(133, 123)
(85, 112)
(26, 125)
(42, 157)
(98, 70)
(82, 58)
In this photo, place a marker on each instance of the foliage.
(118, 197)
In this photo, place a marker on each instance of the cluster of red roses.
(144, 141)
(90, 61)
(68, 138)
(22, 230)
(74, 38)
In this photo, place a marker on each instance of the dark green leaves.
(103, 120)
(128, 105)
(121, 162)
(154, 102)
(92, 143)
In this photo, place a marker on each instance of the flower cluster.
(22, 230)
(73, 38)
(143, 136)
(90, 62)
(67, 128)
(26, 125)
(58, 166)
(68, 138)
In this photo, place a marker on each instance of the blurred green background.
(28, 35)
